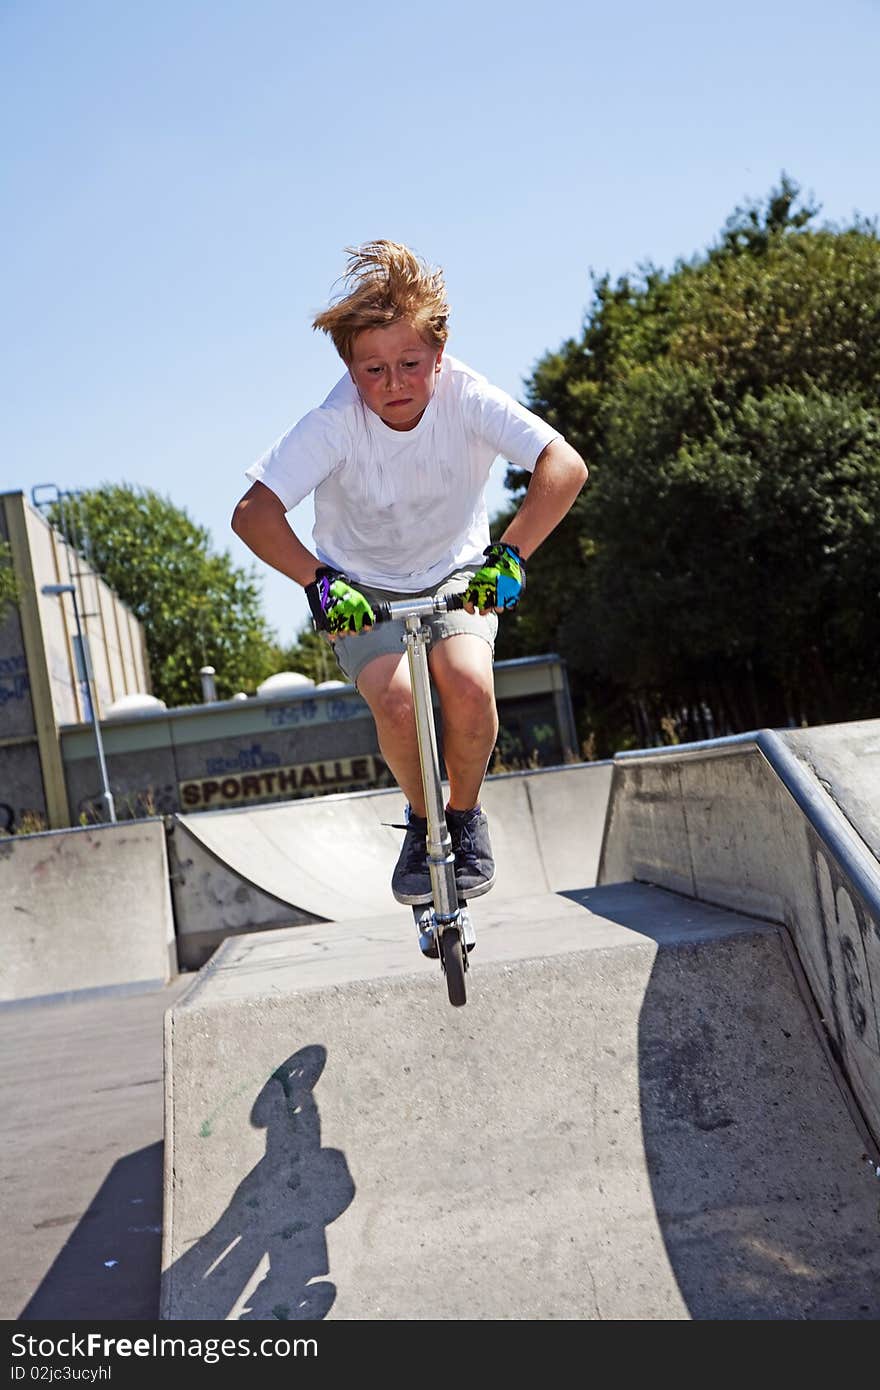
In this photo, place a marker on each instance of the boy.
(398, 457)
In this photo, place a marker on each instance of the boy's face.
(395, 371)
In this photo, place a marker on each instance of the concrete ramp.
(331, 858)
(634, 1117)
(85, 911)
(746, 823)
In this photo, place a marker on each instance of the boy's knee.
(393, 708)
(469, 699)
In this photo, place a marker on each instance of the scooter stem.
(441, 860)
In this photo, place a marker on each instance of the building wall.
(115, 637)
(308, 743)
(16, 705)
(40, 688)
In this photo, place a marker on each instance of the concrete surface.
(331, 858)
(720, 826)
(82, 1138)
(639, 1114)
(87, 909)
(635, 1116)
(845, 759)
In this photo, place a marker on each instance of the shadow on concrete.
(266, 1258)
(756, 1167)
(109, 1267)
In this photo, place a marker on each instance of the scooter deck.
(423, 916)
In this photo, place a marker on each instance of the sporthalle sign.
(304, 779)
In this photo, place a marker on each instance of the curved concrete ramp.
(331, 858)
(635, 1116)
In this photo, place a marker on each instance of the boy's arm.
(558, 477)
(260, 520)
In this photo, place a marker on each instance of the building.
(42, 685)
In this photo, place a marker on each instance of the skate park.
(660, 1101)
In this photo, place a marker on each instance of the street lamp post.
(57, 590)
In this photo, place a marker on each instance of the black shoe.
(474, 865)
(411, 881)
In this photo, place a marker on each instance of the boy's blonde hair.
(385, 283)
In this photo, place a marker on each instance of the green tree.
(722, 568)
(197, 607)
(310, 655)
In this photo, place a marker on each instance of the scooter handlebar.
(417, 607)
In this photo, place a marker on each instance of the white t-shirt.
(401, 509)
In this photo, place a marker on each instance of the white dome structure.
(329, 685)
(285, 683)
(136, 703)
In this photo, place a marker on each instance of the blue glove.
(501, 581)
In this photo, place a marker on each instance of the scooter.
(444, 925)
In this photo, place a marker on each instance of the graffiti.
(305, 712)
(314, 711)
(245, 760)
(7, 818)
(850, 959)
(853, 984)
(12, 665)
(17, 690)
(343, 709)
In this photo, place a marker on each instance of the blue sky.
(180, 180)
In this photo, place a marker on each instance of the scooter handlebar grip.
(382, 612)
(454, 601)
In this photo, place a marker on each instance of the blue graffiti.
(245, 760)
(308, 711)
(344, 709)
(303, 713)
(18, 690)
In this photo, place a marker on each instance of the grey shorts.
(358, 649)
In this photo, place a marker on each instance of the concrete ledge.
(88, 909)
(80, 996)
(744, 824)
(633, 1117)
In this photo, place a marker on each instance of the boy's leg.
(384, 684)
(463, 676)
(462, 671)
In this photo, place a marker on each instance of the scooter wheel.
(453, 965)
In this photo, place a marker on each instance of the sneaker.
(411, 881)
(474, 865)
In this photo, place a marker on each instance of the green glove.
(337, 606)
(501, 581)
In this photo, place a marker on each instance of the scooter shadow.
(266, 1258)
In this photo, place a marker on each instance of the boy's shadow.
(266, 1257)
